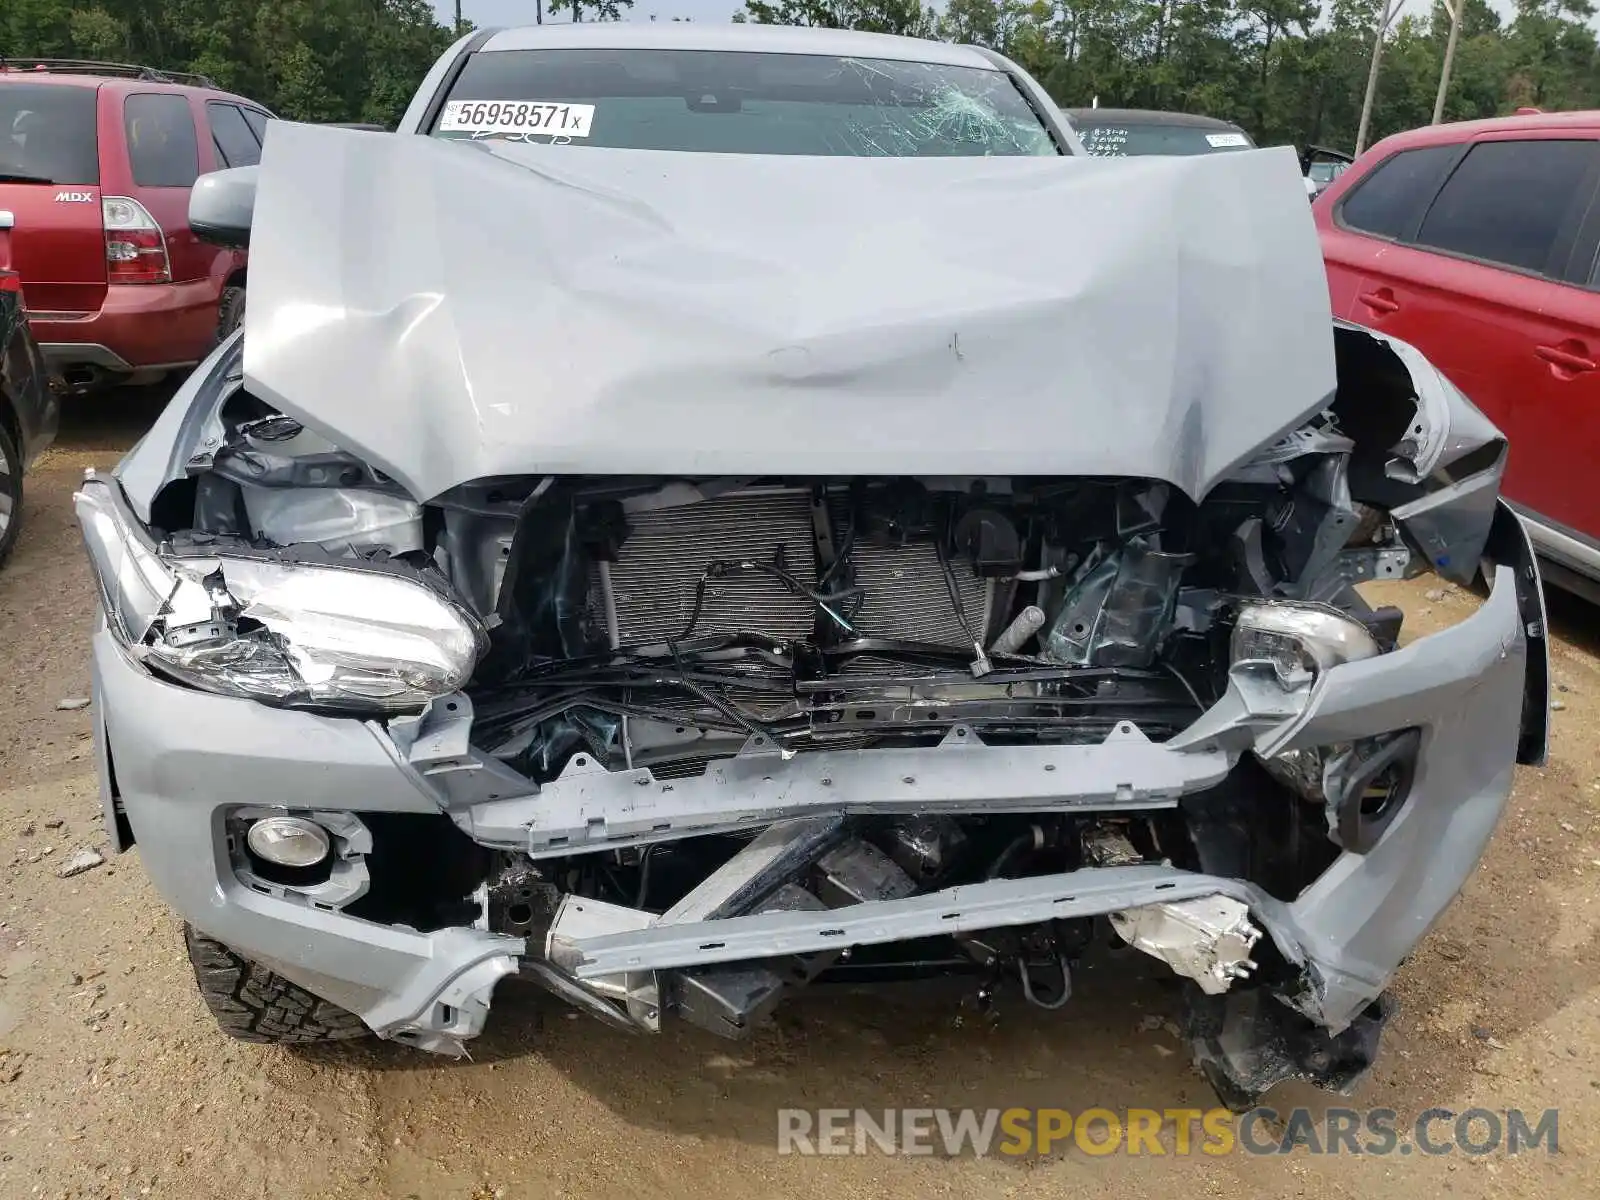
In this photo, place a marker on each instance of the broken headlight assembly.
(1296, 641)
(1360, 785)
(352, 637)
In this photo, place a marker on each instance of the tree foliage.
(1286, 70)
(313, 60)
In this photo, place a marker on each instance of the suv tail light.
(136, 249)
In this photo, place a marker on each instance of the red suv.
(1477, 243)
(96, 164)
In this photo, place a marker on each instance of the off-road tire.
(254, 1004)
(10, 486)
(230, 313)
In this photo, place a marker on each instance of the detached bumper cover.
(180, 757)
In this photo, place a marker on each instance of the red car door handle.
(1569, 356)
(1382, 301)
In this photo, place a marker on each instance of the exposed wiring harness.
(718, 703)
(776, 569)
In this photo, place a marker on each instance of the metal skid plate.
(591, 808)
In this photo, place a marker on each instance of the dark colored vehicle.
(1477, 242)
(1321, 165)
(1122, 132)
(96, 164)
(28, 409)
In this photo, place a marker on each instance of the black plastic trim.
(1509, 546)
(430, 116)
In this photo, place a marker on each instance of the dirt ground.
(114, 1081)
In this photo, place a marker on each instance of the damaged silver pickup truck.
(678, 579)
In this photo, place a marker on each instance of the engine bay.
(664, 624)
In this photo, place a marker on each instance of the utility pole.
(458, 17)
(1454, 9)
(1391, 9)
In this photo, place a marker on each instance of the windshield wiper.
(23, 177)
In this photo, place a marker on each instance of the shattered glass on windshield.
(743, 103)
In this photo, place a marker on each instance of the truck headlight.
(1297, 640)
(286, 633)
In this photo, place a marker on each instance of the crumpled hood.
(452, 312)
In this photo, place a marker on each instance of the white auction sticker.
(1227, 139)
(487, 117)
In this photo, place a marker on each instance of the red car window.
(161, 143)
(47, 134)
(1507, 201)
(1392, 196)
(257, 121)
(235, 142)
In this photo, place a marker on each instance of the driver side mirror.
(221, 206)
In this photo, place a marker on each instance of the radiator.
(660, 563)
(668, 549)
(906, 597)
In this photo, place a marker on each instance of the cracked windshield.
(742, 103)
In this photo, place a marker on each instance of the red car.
(1476, 242)
(96, 164)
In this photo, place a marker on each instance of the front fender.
(1425, 454)
(1509, 546)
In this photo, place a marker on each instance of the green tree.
(1288, 70)
(316, 60)
(874, 16)
(603, 10)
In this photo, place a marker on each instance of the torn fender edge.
(455, 1013)
(1424, 451)
(113, 820)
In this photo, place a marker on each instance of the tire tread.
(13, 456)
(254, 1004)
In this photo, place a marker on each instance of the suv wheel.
(254, 1004)
(230, 313)
(10, 492)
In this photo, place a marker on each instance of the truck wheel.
(10, 493)
(254, 1004)
(230, 313)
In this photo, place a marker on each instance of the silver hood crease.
(453, 312)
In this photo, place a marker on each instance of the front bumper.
(180, 758)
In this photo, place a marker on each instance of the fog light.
(288, 841)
